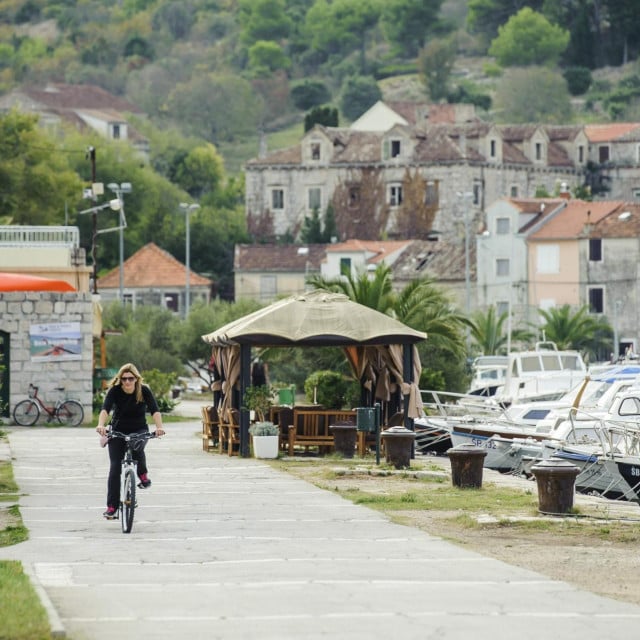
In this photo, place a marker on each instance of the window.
(637, 154)
(503, 226)
(603, 153)
(354, 196)
(116, 132)
(595, 249)
(431, 193)
(171, 301)
(277, 199)
(268, 287)
(493, 152)
(548, 258)
(477, 193)
(502, 307)
(395, 195)
(502, 267)
(315, 151)
(395, 148)
(345, 266)
(315, 198)
(635, 193)
(514, 191)
(538, 151)
(596, 299)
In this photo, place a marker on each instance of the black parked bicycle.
(135, 442)
(67, 412)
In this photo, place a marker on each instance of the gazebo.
(378, 347)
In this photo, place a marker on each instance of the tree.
(309, 94)
(263, 20)
(528, 38)
(358, 94)
(435, 64)
(200, 171)
(408, 23)
(326, 116)
(486, 16)
(311, 232)
(577, 329)
(341, 26)
(534, 94)
(265, 57)
(488, 331)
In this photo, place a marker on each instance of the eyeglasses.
(127, 378)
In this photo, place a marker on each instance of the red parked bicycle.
(67, 412)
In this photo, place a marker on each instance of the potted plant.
(266, 439)
(258, 399)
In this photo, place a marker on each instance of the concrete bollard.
(467, 462)
(556, 484)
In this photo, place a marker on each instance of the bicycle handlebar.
(146, 435)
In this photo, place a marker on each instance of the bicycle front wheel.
(70, 413)
(128, 504)
(26, 413)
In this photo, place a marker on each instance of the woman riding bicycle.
(129, 399)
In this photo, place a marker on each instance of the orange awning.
(24, 282)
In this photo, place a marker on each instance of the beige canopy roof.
(317, 318)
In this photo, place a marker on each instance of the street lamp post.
(119, 189)
(187, 208)
(467, 266)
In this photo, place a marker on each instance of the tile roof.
(277, 257)
(152, 267)
(441, 260)
(623, 222)
(613, 131)
(571, 222)
(378, 248)
(79, 96)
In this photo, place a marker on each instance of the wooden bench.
(229, 429)
(310, 427)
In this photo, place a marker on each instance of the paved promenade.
(230, 548)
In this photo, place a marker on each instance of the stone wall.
(18, 311)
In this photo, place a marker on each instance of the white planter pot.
(265, 446)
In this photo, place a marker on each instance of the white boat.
(544, 373)
(489, 375)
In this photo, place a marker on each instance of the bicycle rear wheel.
(128, 505)
(26, 413)
(70, 413)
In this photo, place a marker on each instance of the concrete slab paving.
(230, 548)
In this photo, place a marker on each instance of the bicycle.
(66, 412)
(127, 507)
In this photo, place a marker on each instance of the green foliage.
(258, 399)
(466, 92)
(358, 94)
(578, 79)
(263, 20)
(533, 94)
(528, 38)
(309, 93)
(265, 57)
(326, 116)
(435, 64)
(577, 329)
(330, 389)
(409, 23)
(161, 384)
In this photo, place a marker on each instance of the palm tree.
(489, 333)
(578, 330)
(421, 305)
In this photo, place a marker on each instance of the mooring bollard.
(344, 438)
(556, 484)
(466, 466)
(398, 445)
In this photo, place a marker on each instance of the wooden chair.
(230, 433)
(310, 428)
(210, 428)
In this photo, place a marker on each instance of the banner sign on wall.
(55, 341)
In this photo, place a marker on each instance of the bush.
(329, 389)
(161, 385)
(578, 79)
(359, 93)
(309, 94)
(264, 429)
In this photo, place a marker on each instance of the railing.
(44, 236)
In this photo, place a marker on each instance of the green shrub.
(309, 94)
(329, 389)
(161, 385)
(578, 79)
